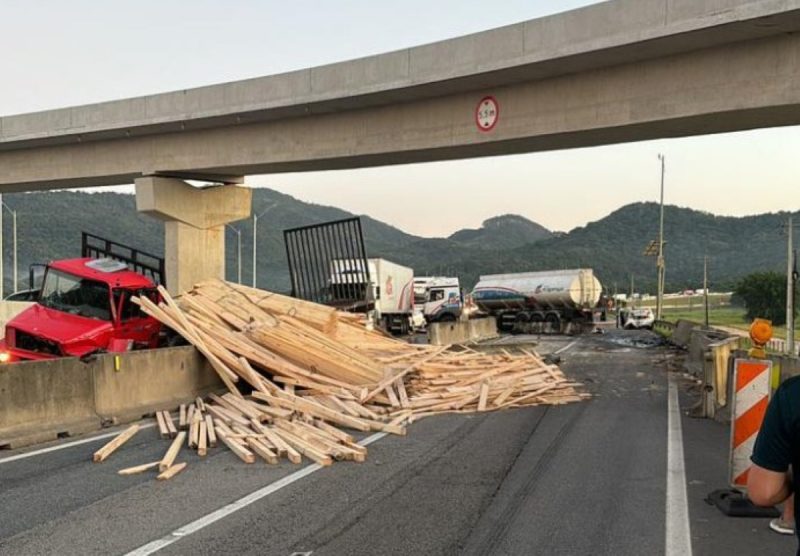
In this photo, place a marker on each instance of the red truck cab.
(84, 307)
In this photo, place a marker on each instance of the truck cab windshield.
(435, 295)
(72, 294)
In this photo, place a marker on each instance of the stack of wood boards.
(298, 372)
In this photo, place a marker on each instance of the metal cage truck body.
(548, 301)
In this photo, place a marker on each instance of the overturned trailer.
(548, 301)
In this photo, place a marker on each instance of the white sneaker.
(780, 526)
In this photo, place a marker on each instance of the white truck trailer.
(548, 300)
(389, 291)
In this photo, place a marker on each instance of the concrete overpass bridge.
(623, 70)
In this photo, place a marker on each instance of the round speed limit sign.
(487, 113)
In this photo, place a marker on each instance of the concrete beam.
(195, 225)
(733, 87)
(597, 36)
(207, 207)
(623, 70)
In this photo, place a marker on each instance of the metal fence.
(328, 263)
(139, 261)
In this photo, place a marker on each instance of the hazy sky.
(58, 53)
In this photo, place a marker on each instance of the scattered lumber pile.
(297, 373)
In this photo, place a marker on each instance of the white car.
(640, 318)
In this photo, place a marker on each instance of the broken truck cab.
(84, 306)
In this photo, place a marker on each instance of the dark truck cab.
(85, 306)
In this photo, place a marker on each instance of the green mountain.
(49, 227)
(502, 232)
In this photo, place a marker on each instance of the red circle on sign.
(487, 113)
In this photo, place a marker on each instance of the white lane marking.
(235, 506)
(566, 347)
(68, 445)
(678, 538)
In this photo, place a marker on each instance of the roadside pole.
(705, 288)
(790, 292)
(660, 261)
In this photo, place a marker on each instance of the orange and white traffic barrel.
(751, 393)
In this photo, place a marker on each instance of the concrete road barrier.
(129, 385)
(42, 401)
(9, 310)
(45, 400)
(459, 332)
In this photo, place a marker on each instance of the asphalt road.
(586, 478)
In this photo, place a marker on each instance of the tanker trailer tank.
(546, 301)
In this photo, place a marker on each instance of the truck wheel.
(554, 320)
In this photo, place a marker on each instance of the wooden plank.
(498, 401)
(401, 391)
(235, 446)
(259, 448)
(138, 469)
(311, 452)
(484, 396)
(393, 400)
(333, 431)
(202, 440)
(103, 453)
(212, 434)
(226, 415)
(282, 447)
(171, 471)
(182, 424)
(163, 431)
(173, 432)
(172, 452)
(389, 380)
(191, 438)
(316, 409)
(200, 404)
(190, 416)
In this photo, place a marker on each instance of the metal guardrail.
(664, 327)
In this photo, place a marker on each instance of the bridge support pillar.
(195, 221)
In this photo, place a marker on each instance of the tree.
(764, 295)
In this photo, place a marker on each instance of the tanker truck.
(534, 302)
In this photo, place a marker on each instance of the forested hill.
(49, 227)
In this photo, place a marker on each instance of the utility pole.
(631, 295)
(255, 238)
(660, 260)
(790, 293)
(238, 252)
(705, 287)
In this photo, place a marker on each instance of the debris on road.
(103, 453)
(311, 371)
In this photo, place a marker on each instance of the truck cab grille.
(29, 342)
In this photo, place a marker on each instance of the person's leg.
(788, 510)
(785, 523)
